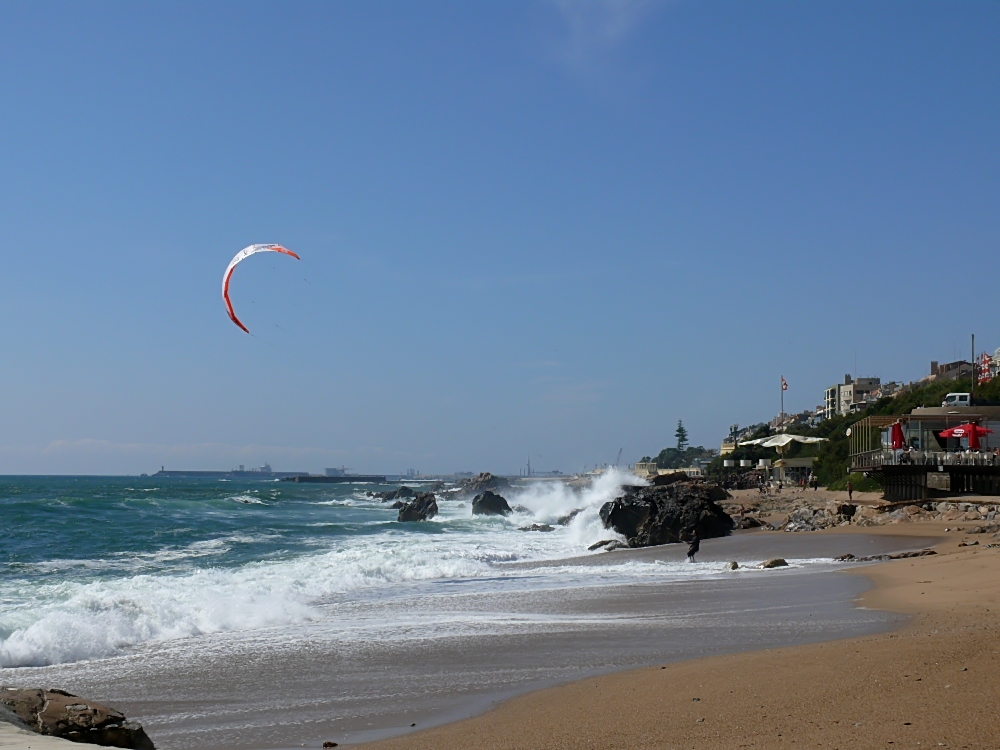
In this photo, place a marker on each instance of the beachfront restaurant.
(930, 453)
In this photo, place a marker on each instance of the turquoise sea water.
(92, 567)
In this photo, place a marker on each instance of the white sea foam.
(55, 622)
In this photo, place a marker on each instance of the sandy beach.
(931, 683)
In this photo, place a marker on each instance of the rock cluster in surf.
(649, 516)
(482, 482)
(61, 714)
(423, 507)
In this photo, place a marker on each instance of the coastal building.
(853, 395)
(928, 466)
(950, 370)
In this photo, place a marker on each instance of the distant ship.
(264, 472)
(335, 476)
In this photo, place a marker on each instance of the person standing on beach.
(850, 491)
(693, 546)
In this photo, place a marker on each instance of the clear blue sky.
(528, 228)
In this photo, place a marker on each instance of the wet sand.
(299, 690)
(933, 683)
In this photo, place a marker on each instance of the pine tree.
(682, 436)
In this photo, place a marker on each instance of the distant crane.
(619, 457)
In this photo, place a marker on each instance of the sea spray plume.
(578, 510)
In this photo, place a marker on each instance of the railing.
(885, 457)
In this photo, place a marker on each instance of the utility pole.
(972, 388)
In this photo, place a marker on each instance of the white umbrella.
(782, 440)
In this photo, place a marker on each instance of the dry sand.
(934, 683)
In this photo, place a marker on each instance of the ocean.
(142, 591)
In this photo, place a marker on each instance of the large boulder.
(490, 504)
(482, 482)
(648, 516)
(61, 714)
(421, 508)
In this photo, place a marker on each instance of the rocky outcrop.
(565, 520)
(812, 519)
(398, 494)
(537, 527)
(649, 516)
(421, 508)
(665, 480)
(482, 482)
(777, 562)
(61, 714)
(490, 504)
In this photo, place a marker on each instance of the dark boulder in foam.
(649, 516)
(61, 714)
(490, 504)
(421, 508)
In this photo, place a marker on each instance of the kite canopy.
(242, 255)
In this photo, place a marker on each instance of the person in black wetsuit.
(693, 545)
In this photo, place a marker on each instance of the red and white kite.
(241, 255)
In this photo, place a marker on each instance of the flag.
(784, 383)
(985, 370)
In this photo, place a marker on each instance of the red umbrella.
(967, 430)
(896, 436)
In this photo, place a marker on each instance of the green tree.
(682, 436)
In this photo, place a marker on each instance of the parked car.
(957, 399)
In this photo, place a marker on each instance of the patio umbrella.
(967, 430)
(896, 436)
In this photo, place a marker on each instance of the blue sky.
(535, 228)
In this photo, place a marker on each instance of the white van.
(957, 399)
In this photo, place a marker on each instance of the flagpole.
(782, 415)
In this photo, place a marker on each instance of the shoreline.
(931, 682)
(295, 687)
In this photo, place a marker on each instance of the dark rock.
(746, 522)
(602, 543)
(845, 558)
(537, 527)
(60, 714)
(665, 480)
(397, 505)
(733, 565)
(329, 744)
(423, 506)
(521, 509)
(490, 504)
(912, 553)
(564, 520)
(482, 482)
(398, 494)
(777, 562)
(648, 516)
(846, 510)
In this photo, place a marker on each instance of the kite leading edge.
(242, 255)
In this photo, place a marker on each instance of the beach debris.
(537, 527)
(776, 562)
(57, 713)
(968, 544)
(733, 565)
(489, 503)
(423, 507)
(650, 516)
(239, 257)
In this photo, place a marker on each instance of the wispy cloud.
(593, 29)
